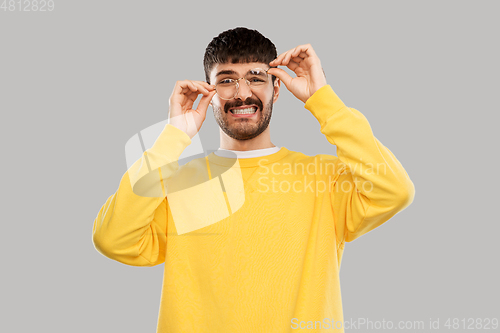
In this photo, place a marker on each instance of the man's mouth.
(244, 110)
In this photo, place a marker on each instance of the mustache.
(238, 103)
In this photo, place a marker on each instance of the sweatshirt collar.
(248, 162)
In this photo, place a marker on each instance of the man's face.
(243, 126)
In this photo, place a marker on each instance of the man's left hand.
(305, 63)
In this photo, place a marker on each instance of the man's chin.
(242, 136)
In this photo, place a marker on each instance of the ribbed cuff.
(323, 103)
(171, 142)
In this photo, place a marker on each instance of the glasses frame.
(238, 84)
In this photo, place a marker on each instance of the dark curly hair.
(238, 45)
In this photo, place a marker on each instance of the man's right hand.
(181, 113)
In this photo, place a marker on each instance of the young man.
(253, 243)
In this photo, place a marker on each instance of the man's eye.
(226, 81)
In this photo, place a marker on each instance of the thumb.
(204, 101)
(281, 74)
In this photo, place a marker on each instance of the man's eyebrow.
(226, 72)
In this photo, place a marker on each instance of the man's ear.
(210, 103)
(277, 85)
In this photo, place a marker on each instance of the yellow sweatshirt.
(255, 244)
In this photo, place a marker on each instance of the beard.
(244, 128)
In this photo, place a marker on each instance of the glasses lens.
(257, 77)
(226, 89)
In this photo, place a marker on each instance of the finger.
(178, 92)
(192, 91)
(188, 105)
(288, 56)
(276, 60)
(190, 98)
(204, 102)
(308, 50)
(279, 59)
(205, 85)
(300, 54)
(304, 51)
(179, 86)
(281, 74)
(284, 57)
(183, 91)
(300, 57)
(198, 86)
(187, 86)
(292, 65)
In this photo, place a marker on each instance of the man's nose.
(244, 90)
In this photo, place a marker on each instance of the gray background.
(78, 82)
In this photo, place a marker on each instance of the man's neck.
(262, 141)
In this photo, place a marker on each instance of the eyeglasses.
(228, 88)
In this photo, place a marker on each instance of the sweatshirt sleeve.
(131, 227)
(372, 185)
